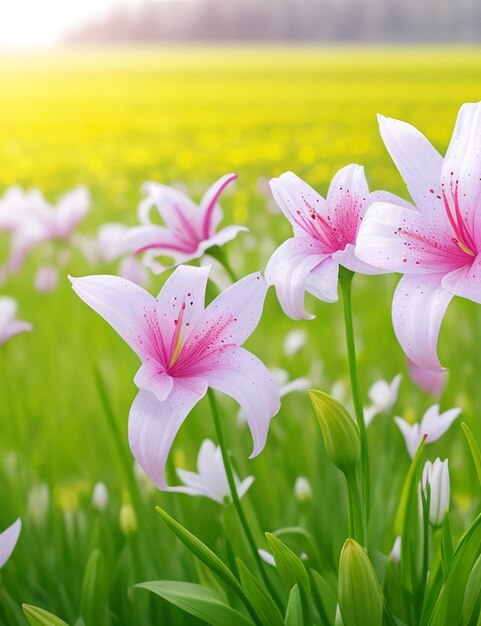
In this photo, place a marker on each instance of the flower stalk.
(234, 495)
(345, 280)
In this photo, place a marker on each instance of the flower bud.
(302, 489)
(127, 519)
(340, 432)
(100, 497)
(360, 597)
(436, 475)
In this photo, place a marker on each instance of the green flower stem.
(235, 497)
(355, 514)
(345, 280)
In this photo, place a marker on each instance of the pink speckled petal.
(153, 425)
(241, 375)
(466, 281)
(418, 308)
(297, 200)
(347, 201)
(8, 541)
(222, 237)
(419, 164)
(121, 303)
(348, 258)
(209, 207)
(288, 270)
(461, 173)
(181, 301)
(399, 240)
(232, 317)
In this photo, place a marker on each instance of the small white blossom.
(395, 554)
(38, 503)
(211, 479)
(432, 426)
(383, 396)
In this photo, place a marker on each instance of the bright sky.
(41, 23)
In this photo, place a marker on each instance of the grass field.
(113, 119)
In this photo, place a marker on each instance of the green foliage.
(40, 617)
(199, 601)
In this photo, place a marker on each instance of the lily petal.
(121, 303)
(460, 176)
(229, 319)
(418, 308)
(288, 270)
(399, 240)
(465, 281)
(181, 302)
(297, 200)
(211, 211)
(420, 166)
(241, 375)
(347, 201)
(8, 541)
(153, 425)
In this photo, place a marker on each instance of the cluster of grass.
(112, 120)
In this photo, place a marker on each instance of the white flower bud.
(302, 489)
(436, 475)
(100, 497)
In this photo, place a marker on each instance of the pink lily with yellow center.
(435, 244)
(189, 230)
(185, 348)
(325, 234)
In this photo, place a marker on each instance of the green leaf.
(264, 604)
(472, 593)
(294, 613)
(448, 609)
(324, 597)
(290, 567)
(408, 526)
(475, 451)
(200, 550)
(41, 617)
(196, 600)
(94, 591)
(446, 546)
(209, 558)
(306, 538)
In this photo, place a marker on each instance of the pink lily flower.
(189, 230)
(435, 244)
(9, 324)
(185, 348)
(325, 234)
(8, 541)
(33, 221)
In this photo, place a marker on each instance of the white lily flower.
(432, 426)
(383, 396)
(211, 479)
(436, 475)
(8, 541)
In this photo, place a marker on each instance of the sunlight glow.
(43, 23)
